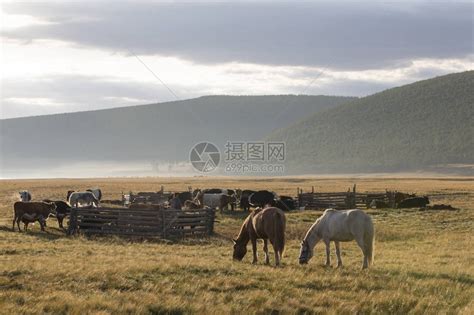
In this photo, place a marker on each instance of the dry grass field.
(424, 260)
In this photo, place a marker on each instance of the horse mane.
(313, 229)
(243, 235)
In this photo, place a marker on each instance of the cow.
(25, 195)
(289, 203)
(262, 198)
(244, 199)
(30, 218)
(63, 209)
(220, 201)
(81, 199)
(416, 202)
(196, 203)
(185, 196)
(97, 193)
(36, 209)
(399, 197)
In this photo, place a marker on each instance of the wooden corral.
(167, 223)
(150, 197)
(342, 200)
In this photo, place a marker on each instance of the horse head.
(239, 250)
(306, 252)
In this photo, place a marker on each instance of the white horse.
(25, 195)
(83, 198)
(340, 226)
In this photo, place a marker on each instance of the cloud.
(339, 36)
(56, 93)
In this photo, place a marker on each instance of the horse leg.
(360, 242)
(254, 249)
(328, 252)
(338, 254)
(277, 255)
(265, 249)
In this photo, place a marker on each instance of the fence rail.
(168, 223)
(343, 200)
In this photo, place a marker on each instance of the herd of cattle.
(28, 211)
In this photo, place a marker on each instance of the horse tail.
(280, 224)
(369, 241)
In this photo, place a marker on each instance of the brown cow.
(36, 209)
(30, 218)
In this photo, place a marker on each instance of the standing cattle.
(220, 201)
(416, 202)
(185, 196)
(244, 199)
(82, 199)
(97, 193)
(30, 218)
(63, 209)
(25, 195)
(289, 203)
(262, 198)
(32, 210)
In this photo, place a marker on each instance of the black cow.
(262, 198)
(244, 199)
(416, 202)
(63, 209)
(289, 203)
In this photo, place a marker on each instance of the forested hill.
(427, 125)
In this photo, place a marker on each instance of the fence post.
(211, 223)
(72, 228)
(163, 216)
(354, 200)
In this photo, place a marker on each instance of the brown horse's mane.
(243, 236)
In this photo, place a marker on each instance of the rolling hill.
(427, 125)
(150, 133)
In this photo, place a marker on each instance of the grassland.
(424, 260)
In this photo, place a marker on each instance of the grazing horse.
(340, 226)
(84, 198)
(266, 224)
(25, 195)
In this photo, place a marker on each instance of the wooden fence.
(167, 223)
(343, 200)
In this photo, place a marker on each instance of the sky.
(72, 56)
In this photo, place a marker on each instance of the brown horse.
(266, 224)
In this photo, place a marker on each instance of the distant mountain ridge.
(155, 132)
(425, 125)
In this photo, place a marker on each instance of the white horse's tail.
(369, 242)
